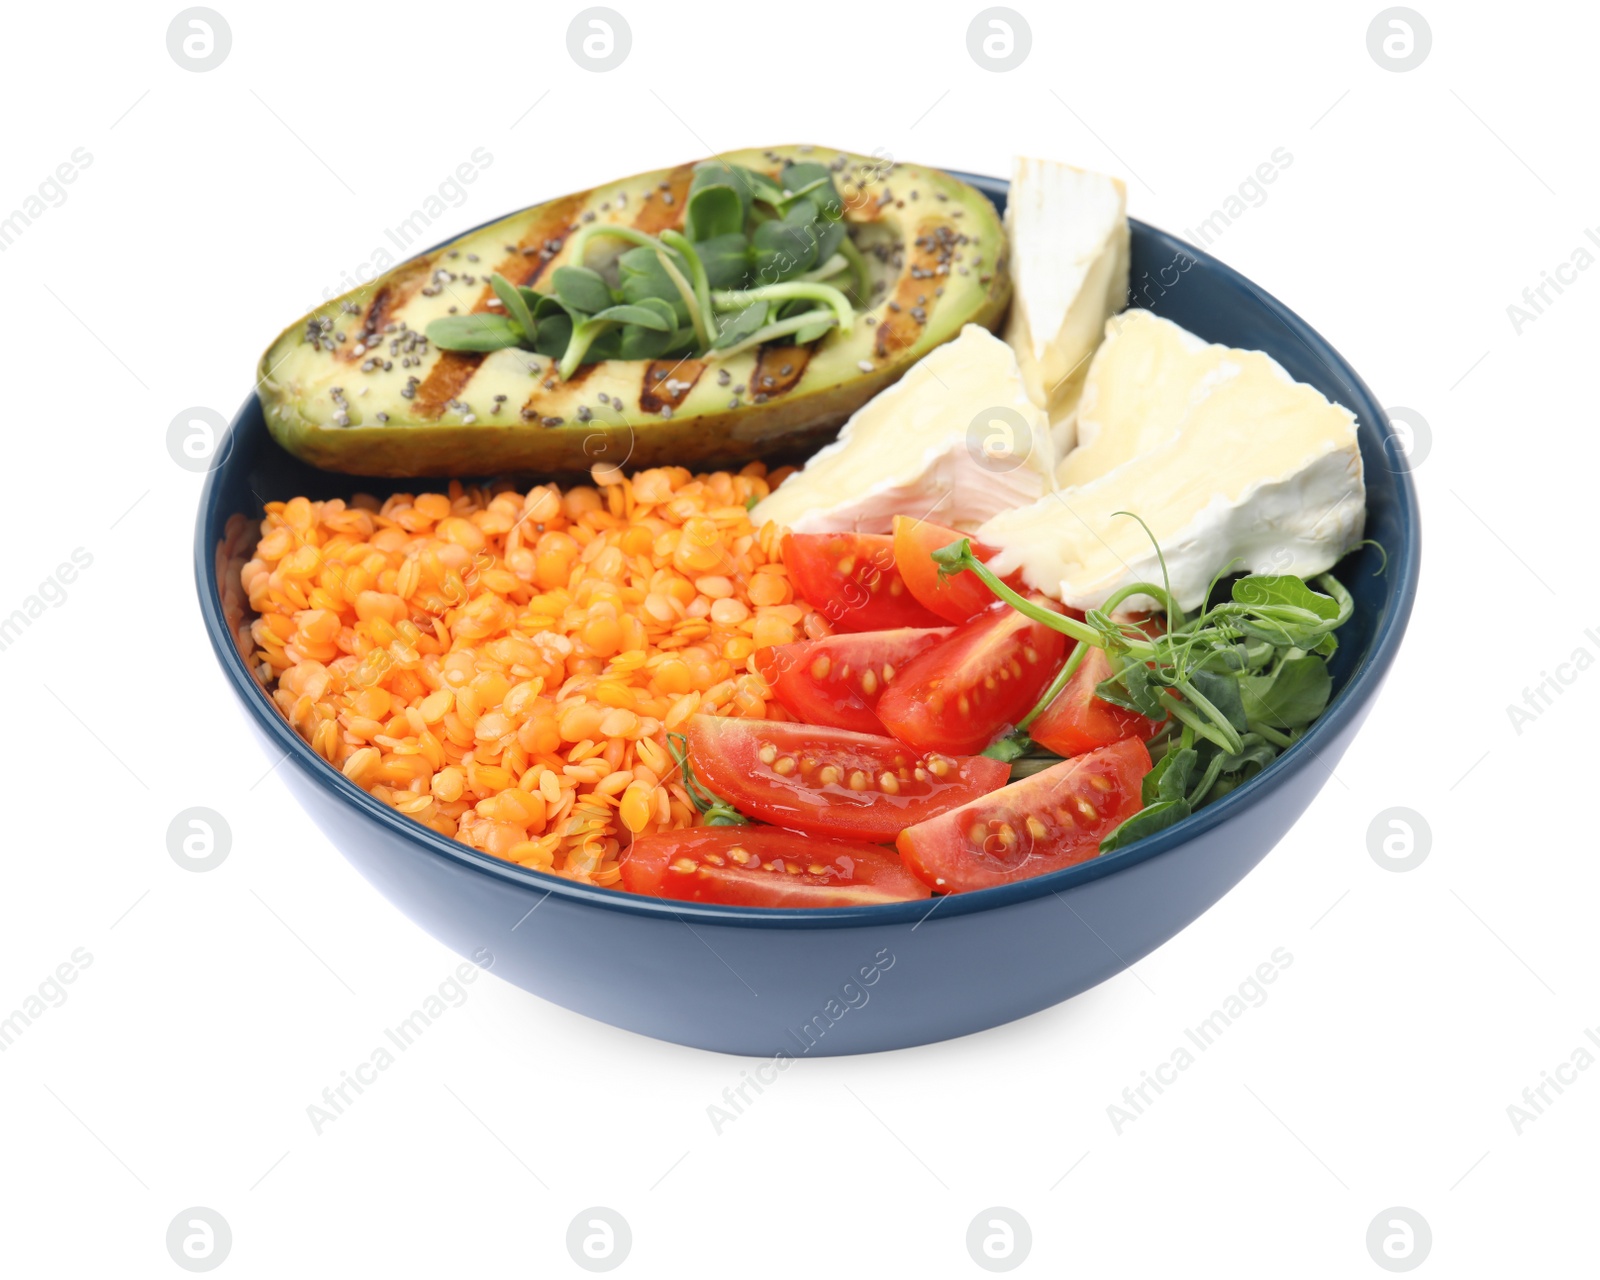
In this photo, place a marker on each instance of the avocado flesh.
(934, 247)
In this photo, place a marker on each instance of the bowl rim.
(1362, 684)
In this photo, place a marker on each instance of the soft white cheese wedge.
(1222, 454)
(943, 442)
(1141, 382)
(1069, 270)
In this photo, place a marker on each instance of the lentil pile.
(505, 667)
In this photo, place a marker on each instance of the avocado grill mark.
(666, 383)
(389, 299)
(658, 214)
(449, 377)
(777, 370)
(916, 292)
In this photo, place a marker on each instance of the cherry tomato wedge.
(960, 694)
(838, 680)
(956, 599)
(1052, 820)
(830, 781)
(1079, 721)
(764, 867)
(851, 580)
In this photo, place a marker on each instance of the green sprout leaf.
(641, 314)
(481, 331)
(516, 305)
(787, 246)
(1296, 694)
(734, 327)
(642, 277)
(1149, 820)
(581, 289)
(555, 333)
(815, 182)
(1261, 590)
(726, 259)
(714, 210)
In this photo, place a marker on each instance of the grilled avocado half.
(355, 386)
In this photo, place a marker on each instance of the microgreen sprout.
(718, 812)
(1231, 687)
(751, 265)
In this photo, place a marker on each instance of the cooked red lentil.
(505, 667)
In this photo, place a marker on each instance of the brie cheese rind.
(942, 443)
(1069, 265)
(1224, 455)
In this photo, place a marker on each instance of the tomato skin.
(793, 790)
(944, 699)
(1079, 721)
(851, 580)
(956, 599)
(1072, 806)
(855, 670)
(734, 866)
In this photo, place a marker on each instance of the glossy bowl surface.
(854, 980)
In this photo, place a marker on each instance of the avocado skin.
(305, 388)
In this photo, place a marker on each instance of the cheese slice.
(1069, 266)
(1142, 380)
(1224, 455)
(956, 439)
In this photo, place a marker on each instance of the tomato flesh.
(851, 580)
(1040, 824)
(764, 867)
(959, 598)
(1079, 720)
(838, 680)
(960, 694)
(831, 781)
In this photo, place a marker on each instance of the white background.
(217, 1007)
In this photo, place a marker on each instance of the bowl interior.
(1169, 277)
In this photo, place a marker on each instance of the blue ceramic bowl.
(853, 980)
